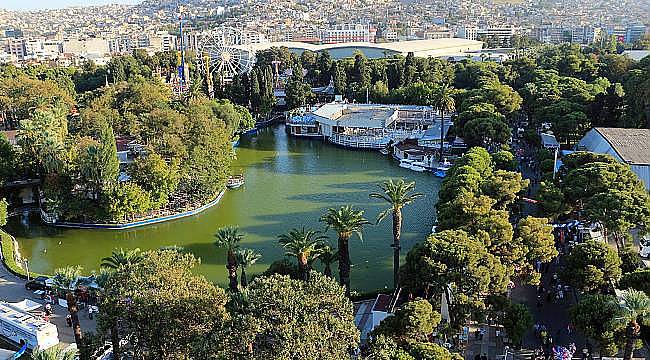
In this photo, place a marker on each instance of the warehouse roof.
(424, 47)
(632, 145)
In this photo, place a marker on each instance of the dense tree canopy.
(300, 319)
(414, 322)
(595, 316)
(182, 150)
(456, 265)
(591, 266)
(606, 191)
(162, 307)
(478, 199)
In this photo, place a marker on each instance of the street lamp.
(26, 264)
(555, 162)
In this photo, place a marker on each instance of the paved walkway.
(554, 314)
(12, 289)
(491, 343)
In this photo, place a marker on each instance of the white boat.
(441, 170)
(384, 151)
(444, 166)
(418, 166)
(235, 181)
(405, 163)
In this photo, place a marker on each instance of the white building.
(33, 48)
(467, 32)
(53, 48)
(500, 36)
(556, 34)
(366, 126)
(438, 33)
(585, 35)
(631, 146)
(419, 48)
(390, 35)
(16, 48)
(97, 46)
(347, 33)
(5, 57)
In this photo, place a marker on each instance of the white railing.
(405, 134)
(372, 141)
(361, 142)
(49, 218)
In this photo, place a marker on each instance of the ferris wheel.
(226, 51)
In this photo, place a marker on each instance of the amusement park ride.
(223, 52)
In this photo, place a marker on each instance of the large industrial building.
(420, 48)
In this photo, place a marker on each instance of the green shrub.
(638, 280)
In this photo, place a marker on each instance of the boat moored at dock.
(405, 163)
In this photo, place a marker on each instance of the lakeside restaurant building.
(364, 126)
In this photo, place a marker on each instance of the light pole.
(555, 162)
(26, 264)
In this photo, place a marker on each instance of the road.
(553, 313)
(12, 289)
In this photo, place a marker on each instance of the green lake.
(289, 183)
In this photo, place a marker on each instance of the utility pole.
(26, 264)
(555, 163)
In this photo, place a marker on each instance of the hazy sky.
(53, 4)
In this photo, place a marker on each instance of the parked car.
(644, 246)
(39, 283)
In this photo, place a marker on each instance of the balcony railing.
(361, 142)
(374, 141)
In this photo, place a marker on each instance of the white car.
(644, 246)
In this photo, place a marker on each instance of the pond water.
(289, 183)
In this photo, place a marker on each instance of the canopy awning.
(549, 141)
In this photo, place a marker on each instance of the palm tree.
(398, 194)
(54, 353)
(121, 258)
(195, 90)
(304, 245)
(63, 279)
(229, 238)
(328, 256)
(246, 258)
(635, 308)
(444, 102)
(346, 221)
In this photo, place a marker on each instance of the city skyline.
(56, 4)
